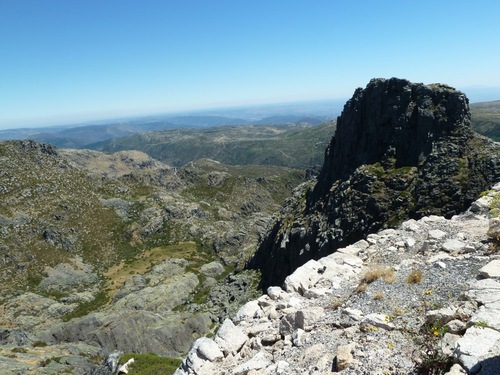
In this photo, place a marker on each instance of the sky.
(64, 61)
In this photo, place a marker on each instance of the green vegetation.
(100, 300)
(486, 119)
(150, 364)
(293, 146)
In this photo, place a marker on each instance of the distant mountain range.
(485, 120)
(82, 135)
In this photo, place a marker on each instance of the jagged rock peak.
(401, 150)
(394, 119)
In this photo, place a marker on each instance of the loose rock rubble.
(423, 296)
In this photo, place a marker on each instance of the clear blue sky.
(74, 60)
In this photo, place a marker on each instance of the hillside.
(294, 146)
(100, 251)
(486, 119)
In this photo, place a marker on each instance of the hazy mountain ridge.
(295, 146)
(81, 135)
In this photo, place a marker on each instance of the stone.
(276, 293)
(282, 368)
(248, 311)
(212, 269)
(492, 269)
(441, 264)
(315, 292)
(290, 322)
(112, 360)
(256, 328)
(123, 369)
(411, 225)
(410, 242)
(484, 291)
(378, 320)
(197, 365)
(494, 228)
(354, 314)
(311, 316)
(304, 277)
(476, 345)
(297, 337)
(488, 314)
(456, 326)
(437, 234)
(259, 361)
(229, 337)
(456, 369)
(443, 315)
(207, 349)
(344, 357)
(453, 246)
(482, 204)
(448, 343)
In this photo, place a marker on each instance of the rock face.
(401, 150)
(360, 310)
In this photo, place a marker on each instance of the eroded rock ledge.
(420, 295)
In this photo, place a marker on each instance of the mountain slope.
(105, 251)
(486, 119)
(295, 146)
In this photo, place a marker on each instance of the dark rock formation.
(401, 150)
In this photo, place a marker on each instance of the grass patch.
(415, 277)
(361, 287)
(150, 364)
(86, 308)
(142, 263)
(387, 274)
(378, 296)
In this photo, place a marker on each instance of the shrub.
(386, 273)
(378, 296)
(361, 287)
(415, 277)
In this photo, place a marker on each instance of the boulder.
(229, 337)
(260, 361)
(478, 344)
(207, 349)
(492, 269)
(344, 356)
(212, 269)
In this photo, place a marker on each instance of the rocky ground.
(122, 252)
(422, 298)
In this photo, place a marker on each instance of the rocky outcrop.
(401, 150)
(397, 302)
